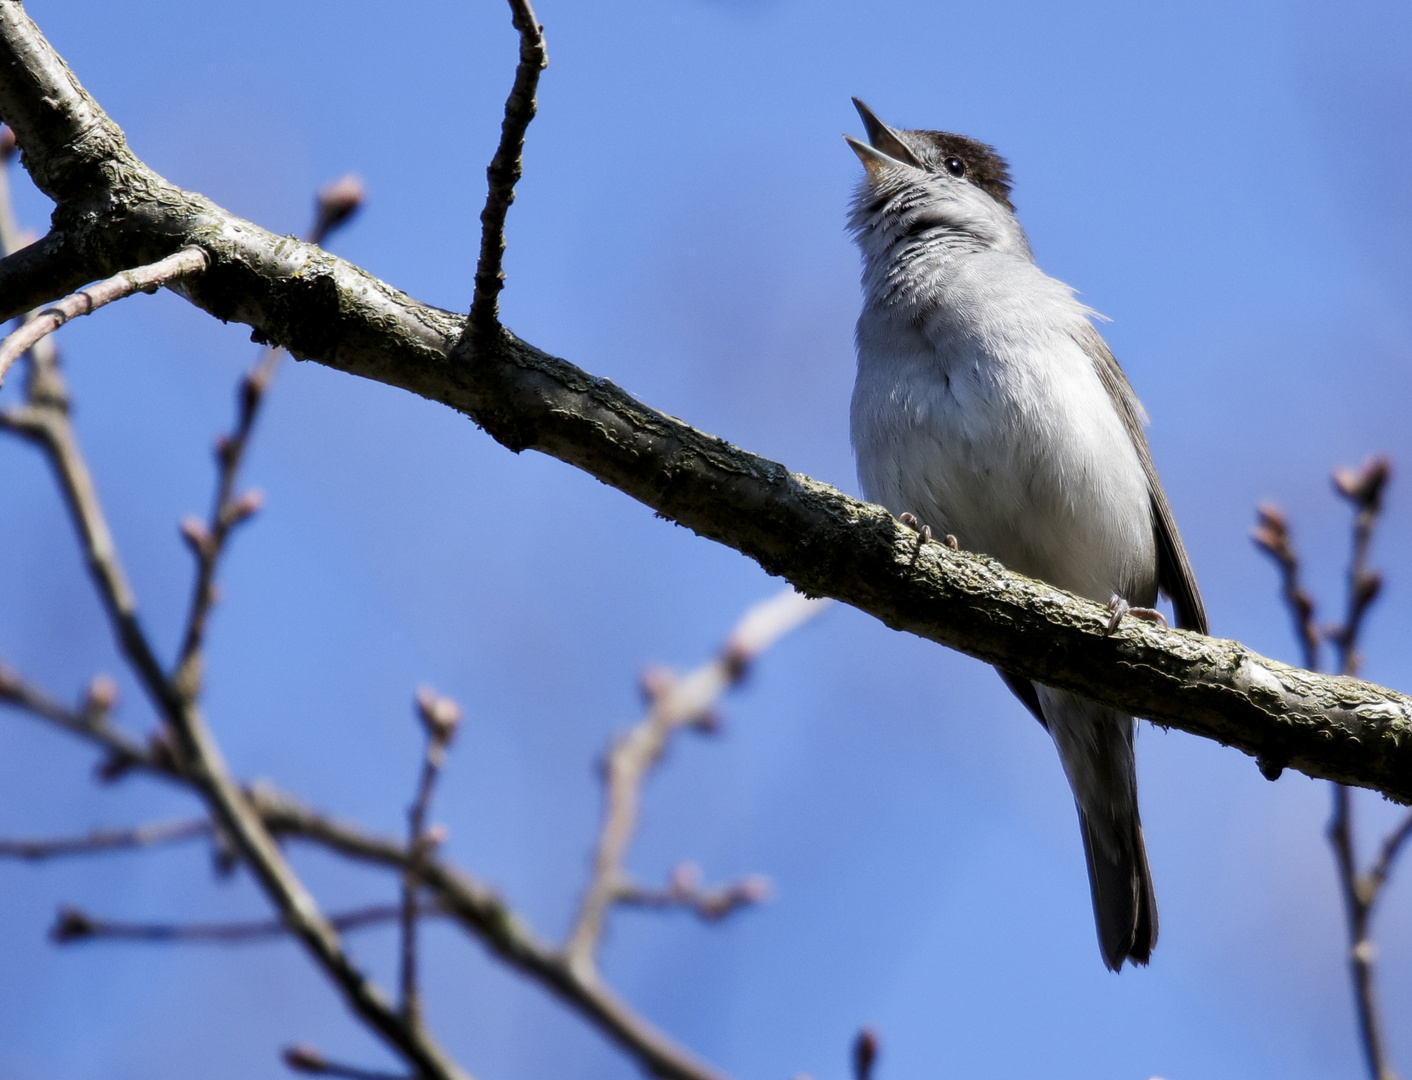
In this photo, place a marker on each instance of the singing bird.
(988, 407)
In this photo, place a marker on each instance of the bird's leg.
(1120, 607)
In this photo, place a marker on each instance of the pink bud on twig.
(439, 715)
(99, 698)
(1364, 485)
(246, 506)
(195, 533)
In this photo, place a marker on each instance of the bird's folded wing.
(1174, 574)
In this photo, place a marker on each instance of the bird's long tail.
(1096, 746)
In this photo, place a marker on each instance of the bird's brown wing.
(1174, 574)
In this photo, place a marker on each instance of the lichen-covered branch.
(822, 541)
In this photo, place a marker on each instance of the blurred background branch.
(1363, 488)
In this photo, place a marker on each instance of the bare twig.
(207, 540)
(1363, 488)
(147, 278)
(73, 925)
(89, 722)
(194, 755)
(504, 170)
(100, 840)
(335, 206)
(1387, 856)
(673, 703)
(483, 913)
(472, 904)
(686, 892)
(306, 1059)
(440, 716)
(1271, 535)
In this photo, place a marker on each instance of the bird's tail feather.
(1124, 907)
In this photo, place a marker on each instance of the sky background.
(1227, 181)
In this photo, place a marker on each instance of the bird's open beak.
(887, 148)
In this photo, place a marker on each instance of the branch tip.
(865, 1053)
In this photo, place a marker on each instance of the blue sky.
(1227, 181)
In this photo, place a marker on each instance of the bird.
(988, 408)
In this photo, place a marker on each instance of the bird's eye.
(955, 166)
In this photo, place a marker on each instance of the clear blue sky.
(1227, 181)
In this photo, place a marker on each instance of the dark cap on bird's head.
(932, 151)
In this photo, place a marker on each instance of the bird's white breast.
(977, 409)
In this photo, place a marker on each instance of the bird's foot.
(1118, 607)
(924, 531)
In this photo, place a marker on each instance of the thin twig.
(306, 1059)
(74, 925)
(440, 716)
(197, 758)
(483, 913)
(1387, 856)
(1364, 489)
(1272, 536)
(90, 722)
(87, 300)
(505, 168)
(207, 540)
(335, 206)
(100, 840)
(473, 905)
(685, 891)
(673, 703)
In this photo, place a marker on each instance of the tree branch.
(823, 542)
(100, 840)
(505, 168)
(86, 301)
(440, 716)
(479, 910)
(472, 904)
(673, 704)
(73, 925)
(1364, 489)
(306, 1059)
(196, 757)
(686, 892)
